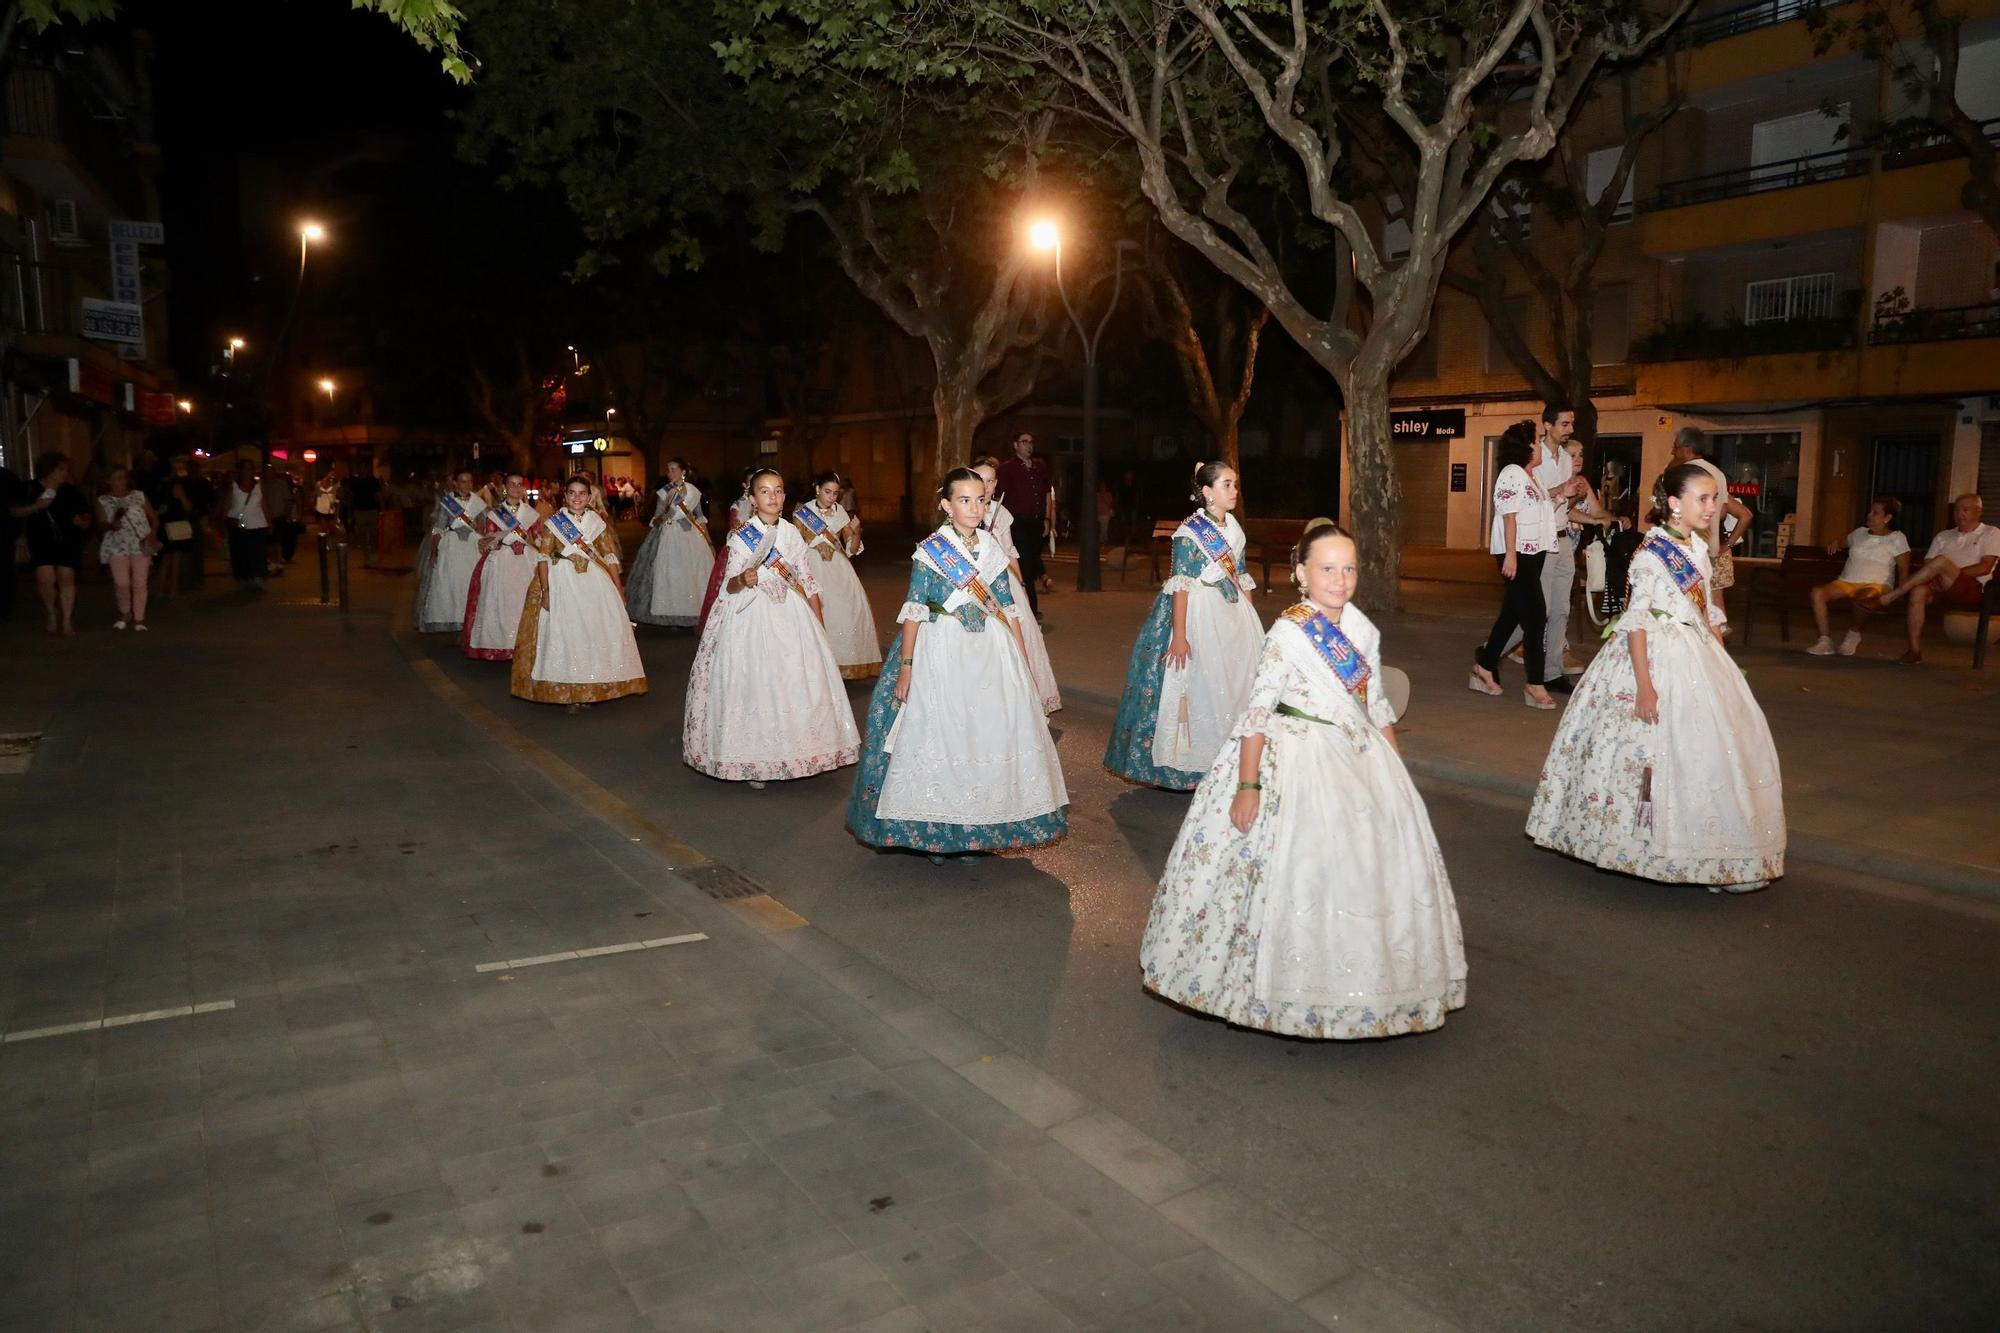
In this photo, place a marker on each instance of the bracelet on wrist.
(1249, 786)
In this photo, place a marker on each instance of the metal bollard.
(340, 567)
(325, 589)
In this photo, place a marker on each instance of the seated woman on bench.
(1878, 557)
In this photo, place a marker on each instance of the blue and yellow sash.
(1348, 664)
(1663, 548)
(1213, 542)
(566, 528)
(811, 525)
(764, 551)
(504, 517)
(956, 567)
(456, 510)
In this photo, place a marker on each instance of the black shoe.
(1560, 685)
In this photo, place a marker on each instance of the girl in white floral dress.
(1306, 894)
(833, 537)
(1663, 766)
(765, 700)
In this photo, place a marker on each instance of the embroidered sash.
(569, 530)
(677, 501)
(1680, 566)
(956, 567)
(456, 510)
(1214, 542)
(754, 541)
(811, 525)
(503, 515)
(1347, 662)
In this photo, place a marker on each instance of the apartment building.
(83, 336)
(1828, 312)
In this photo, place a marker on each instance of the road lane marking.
(119, 1021)
(572, 955)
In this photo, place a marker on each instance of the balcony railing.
(1944, 324)
(40, 103)
(1933, 148)
(39, 298)
(1837, 164)
(1699, 339)
(1748, 18)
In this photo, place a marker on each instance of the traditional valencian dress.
(1171, 721)
(500, 583)
(1333, 916)
(765, 700)
(444, 569)
(850, 625)
(1000, 521)
(739, 514)
(670, 572)
(575, 645)
(967, 763)
(1694, 798)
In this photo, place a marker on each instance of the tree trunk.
(1373, 497)
(960, 410)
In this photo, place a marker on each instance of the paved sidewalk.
(1888, 769)
(326, 1009)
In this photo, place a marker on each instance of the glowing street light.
(311, 232)
(1044, 235)
(186, 405)
(230, 350)
(327, 386)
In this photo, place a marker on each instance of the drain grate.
(721, 883)
(18, 750)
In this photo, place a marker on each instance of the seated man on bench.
(1954, 572)
(1878, 556)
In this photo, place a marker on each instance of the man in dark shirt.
(1024, 485)
(10, 531)
(364, 507)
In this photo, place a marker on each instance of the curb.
(1954, 877)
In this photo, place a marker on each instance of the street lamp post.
(1045, 234)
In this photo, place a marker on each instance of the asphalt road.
(1661, 1109)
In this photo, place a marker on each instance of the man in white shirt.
(1954, 573)
(1554, 473)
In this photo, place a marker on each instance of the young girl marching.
(670, 572)
(444, 569)
(1663, 766)
(575, 645)
(833, 537)
(1000, 522)
(765, 700)
(1306, 894)
(739, 513)
(500, 580)
(959, 757)
(1191, 668)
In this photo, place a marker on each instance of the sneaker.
(1911, 658)
(1849, 642)
(118, 624)
(1822, 647)
(139, 628)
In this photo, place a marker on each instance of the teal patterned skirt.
(1129, 753)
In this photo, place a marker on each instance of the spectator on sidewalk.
(57, 518)
(281, 506)
(1524, 529)
(364, 507)
(173, 503)
(1954, 573)
(128, 538)
(1878, 556)
(201, 497)
(249, 527)
(1691, 446)
(1554, 470)
(1024, 485)
(13, 491)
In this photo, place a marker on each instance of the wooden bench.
(1806, 567)
(1270, 541)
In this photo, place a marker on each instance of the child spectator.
(1877, 557)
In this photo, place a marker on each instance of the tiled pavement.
(757, 1130)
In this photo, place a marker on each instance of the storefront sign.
(1440, 424)
(92, 383)
(139, 233)
(113, 321)
(156, 409)
(1745, 490)
(1458, 478)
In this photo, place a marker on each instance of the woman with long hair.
(1663, 766)
(765, 702)
(1191, 667)
(670, 572)
(127, 542)
(56, 521)
(958, 757)
(1306, 894)
(575, 645)
(1524, 532)
(832, 535)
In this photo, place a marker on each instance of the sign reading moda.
(1436, 424)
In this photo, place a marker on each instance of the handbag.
(1725, 570)
(177, 530)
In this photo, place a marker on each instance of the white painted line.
(598, 951)
(119, 1021)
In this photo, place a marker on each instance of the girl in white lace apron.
(958, 758)
(1306, 894)
(765, 701)
(575, 645)
(670, 572)
(833, 538)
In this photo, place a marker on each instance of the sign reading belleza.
(1440, 424)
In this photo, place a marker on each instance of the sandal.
(1544, 704)
(1482, 682)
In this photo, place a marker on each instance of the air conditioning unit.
(63, 229)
